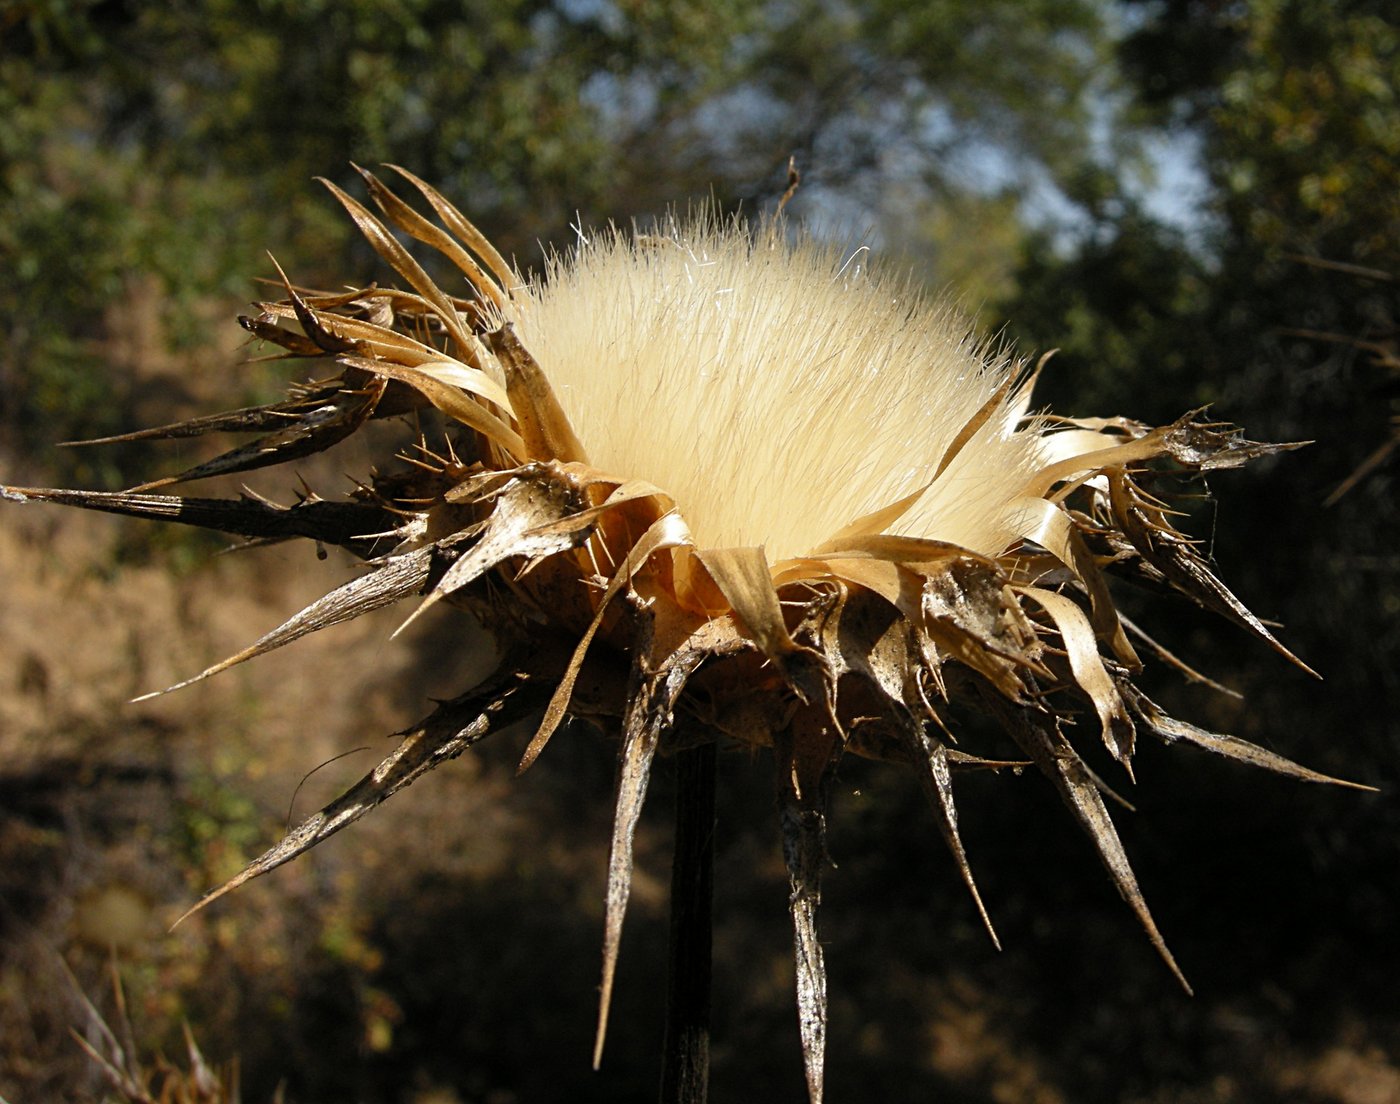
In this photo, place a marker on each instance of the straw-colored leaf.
(932, 765)
(1041, 739)
(351, 334)
(250, 419)
(543, 423)
(403, 263)
(668, 531)
(648, 716)
(310, 432)
(1088, 669)
(447, 732)
(411, 222)
(451, 400)
(1176, 558)
(805, 756)
(361, 528)
(396, 578)
(1053, 529)
(523, 524)
(1170, 730)
(470, 236)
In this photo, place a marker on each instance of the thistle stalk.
(685, 1069)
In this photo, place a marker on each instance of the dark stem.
(685, 1070)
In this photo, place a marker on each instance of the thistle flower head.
(707, 484)
(777, 392)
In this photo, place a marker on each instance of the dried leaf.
(968, 613)
(449, 399)
(396, 578)
(863, 634)
(963, 761)
(1170, 730)
(205, 1083)
(358, 335)
(806, 755)
(403, 263)
(250, 419)
(1051, 527)
(1176, 662)
(523, 523)
(935, 778)
(447, 732)
(743, 577)
(359, 527)
(877, 521)
(668, 531)
(1039, 737)
(1087, 667)
(542, 421)
(473, 238)
(1094, 461)
(1215, 445)
(411, 222)
(265, 328)
(451, 372)
(1176, 558)
(313, 431)
(976, 422)
(920, 551)
(883, 577)
(651, 699)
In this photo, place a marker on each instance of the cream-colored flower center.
(775, 392)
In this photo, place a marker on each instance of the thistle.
(708, 486)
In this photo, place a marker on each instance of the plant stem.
(685, 1071)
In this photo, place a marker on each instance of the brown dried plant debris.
(709, 485)
(112, 1046)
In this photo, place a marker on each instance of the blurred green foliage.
(150, 153)
(1279, 315)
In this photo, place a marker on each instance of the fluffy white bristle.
(777, 392)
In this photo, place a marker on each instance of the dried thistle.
(706, 485)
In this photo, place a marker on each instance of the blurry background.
(1195, 201)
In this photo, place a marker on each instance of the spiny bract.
(705, 484)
